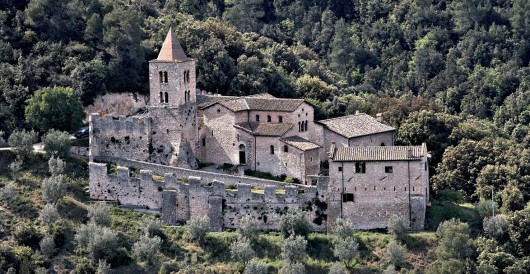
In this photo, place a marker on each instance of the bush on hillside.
(57, 143)
(22, 142)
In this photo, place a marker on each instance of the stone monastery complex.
(158, 153)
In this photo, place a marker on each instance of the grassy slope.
(176, 248)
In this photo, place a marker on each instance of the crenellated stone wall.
(225, 204)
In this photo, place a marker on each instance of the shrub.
(397, 228)
(512, 199)
(151, 227)
(48, 214)
(448, 195)
(495, 227)
(256, 267)
(294, 223)
(16, 166)
(346, 249)
(99, 214)
(454, 240)
(100, 242)
(484, 208)
(395, 253)
(47, 246)
(57, 143)
(293, 248)
(103, 244)
(146, 248)
(337, 268)
(197, 228)
(56, 166)
(293, 268)
(22, 142)
(241, 250)
(343, 228)
(53, 189)
(8, 193)
(247, 228)
(27, 235)
(103, 267)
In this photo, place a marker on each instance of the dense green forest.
(453, 74)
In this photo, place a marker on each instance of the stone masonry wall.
(180, 202)
(378, 195)
(119, 137)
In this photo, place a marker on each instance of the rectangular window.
(347, 197)
(388, 169)
(340, 169)
(203, 142)
(257, 118)
(360, 167)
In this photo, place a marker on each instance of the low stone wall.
(79, 151)
(183, 173)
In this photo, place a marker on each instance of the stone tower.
(173, 106)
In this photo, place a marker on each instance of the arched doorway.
(242, 155)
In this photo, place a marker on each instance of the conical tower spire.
(171, 49)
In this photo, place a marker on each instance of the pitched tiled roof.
(263, 102)
(380, 153)
(356, 125)
(204, 101)
(171, 49)
(265, 129)
(300, 143)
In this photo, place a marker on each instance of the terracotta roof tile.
(356, 125)
(263, 102)
(265, 129)
(300, 143)
(171, 49)
(379, 153)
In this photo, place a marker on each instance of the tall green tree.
(55, 108)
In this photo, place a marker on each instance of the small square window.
(389, 169)
(340, 169)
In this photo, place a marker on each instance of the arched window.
(184, 76)
(272, 149)
(257, 118)
(280, 119)
(161, 76)
(242, 155)
(189, 95)
(165, 76)
(269, 119)
(383, 144)
(299, 127)
(161, 97)
(285, 148)
(166, 97)
(305, 127)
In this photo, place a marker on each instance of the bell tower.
(172, 106)
(171, 75)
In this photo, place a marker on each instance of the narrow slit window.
(272, 149)
(285, 148)
(280, 119)
(269, 118)
(257, 118)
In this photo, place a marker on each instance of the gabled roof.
(261, 102)
(265, 129)
(300, 143)
(380, 153)
(171, 49)
(355, 125)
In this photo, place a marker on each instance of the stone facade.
(258, 132)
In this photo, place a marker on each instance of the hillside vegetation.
(453, 74)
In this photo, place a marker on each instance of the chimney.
(379, 117)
